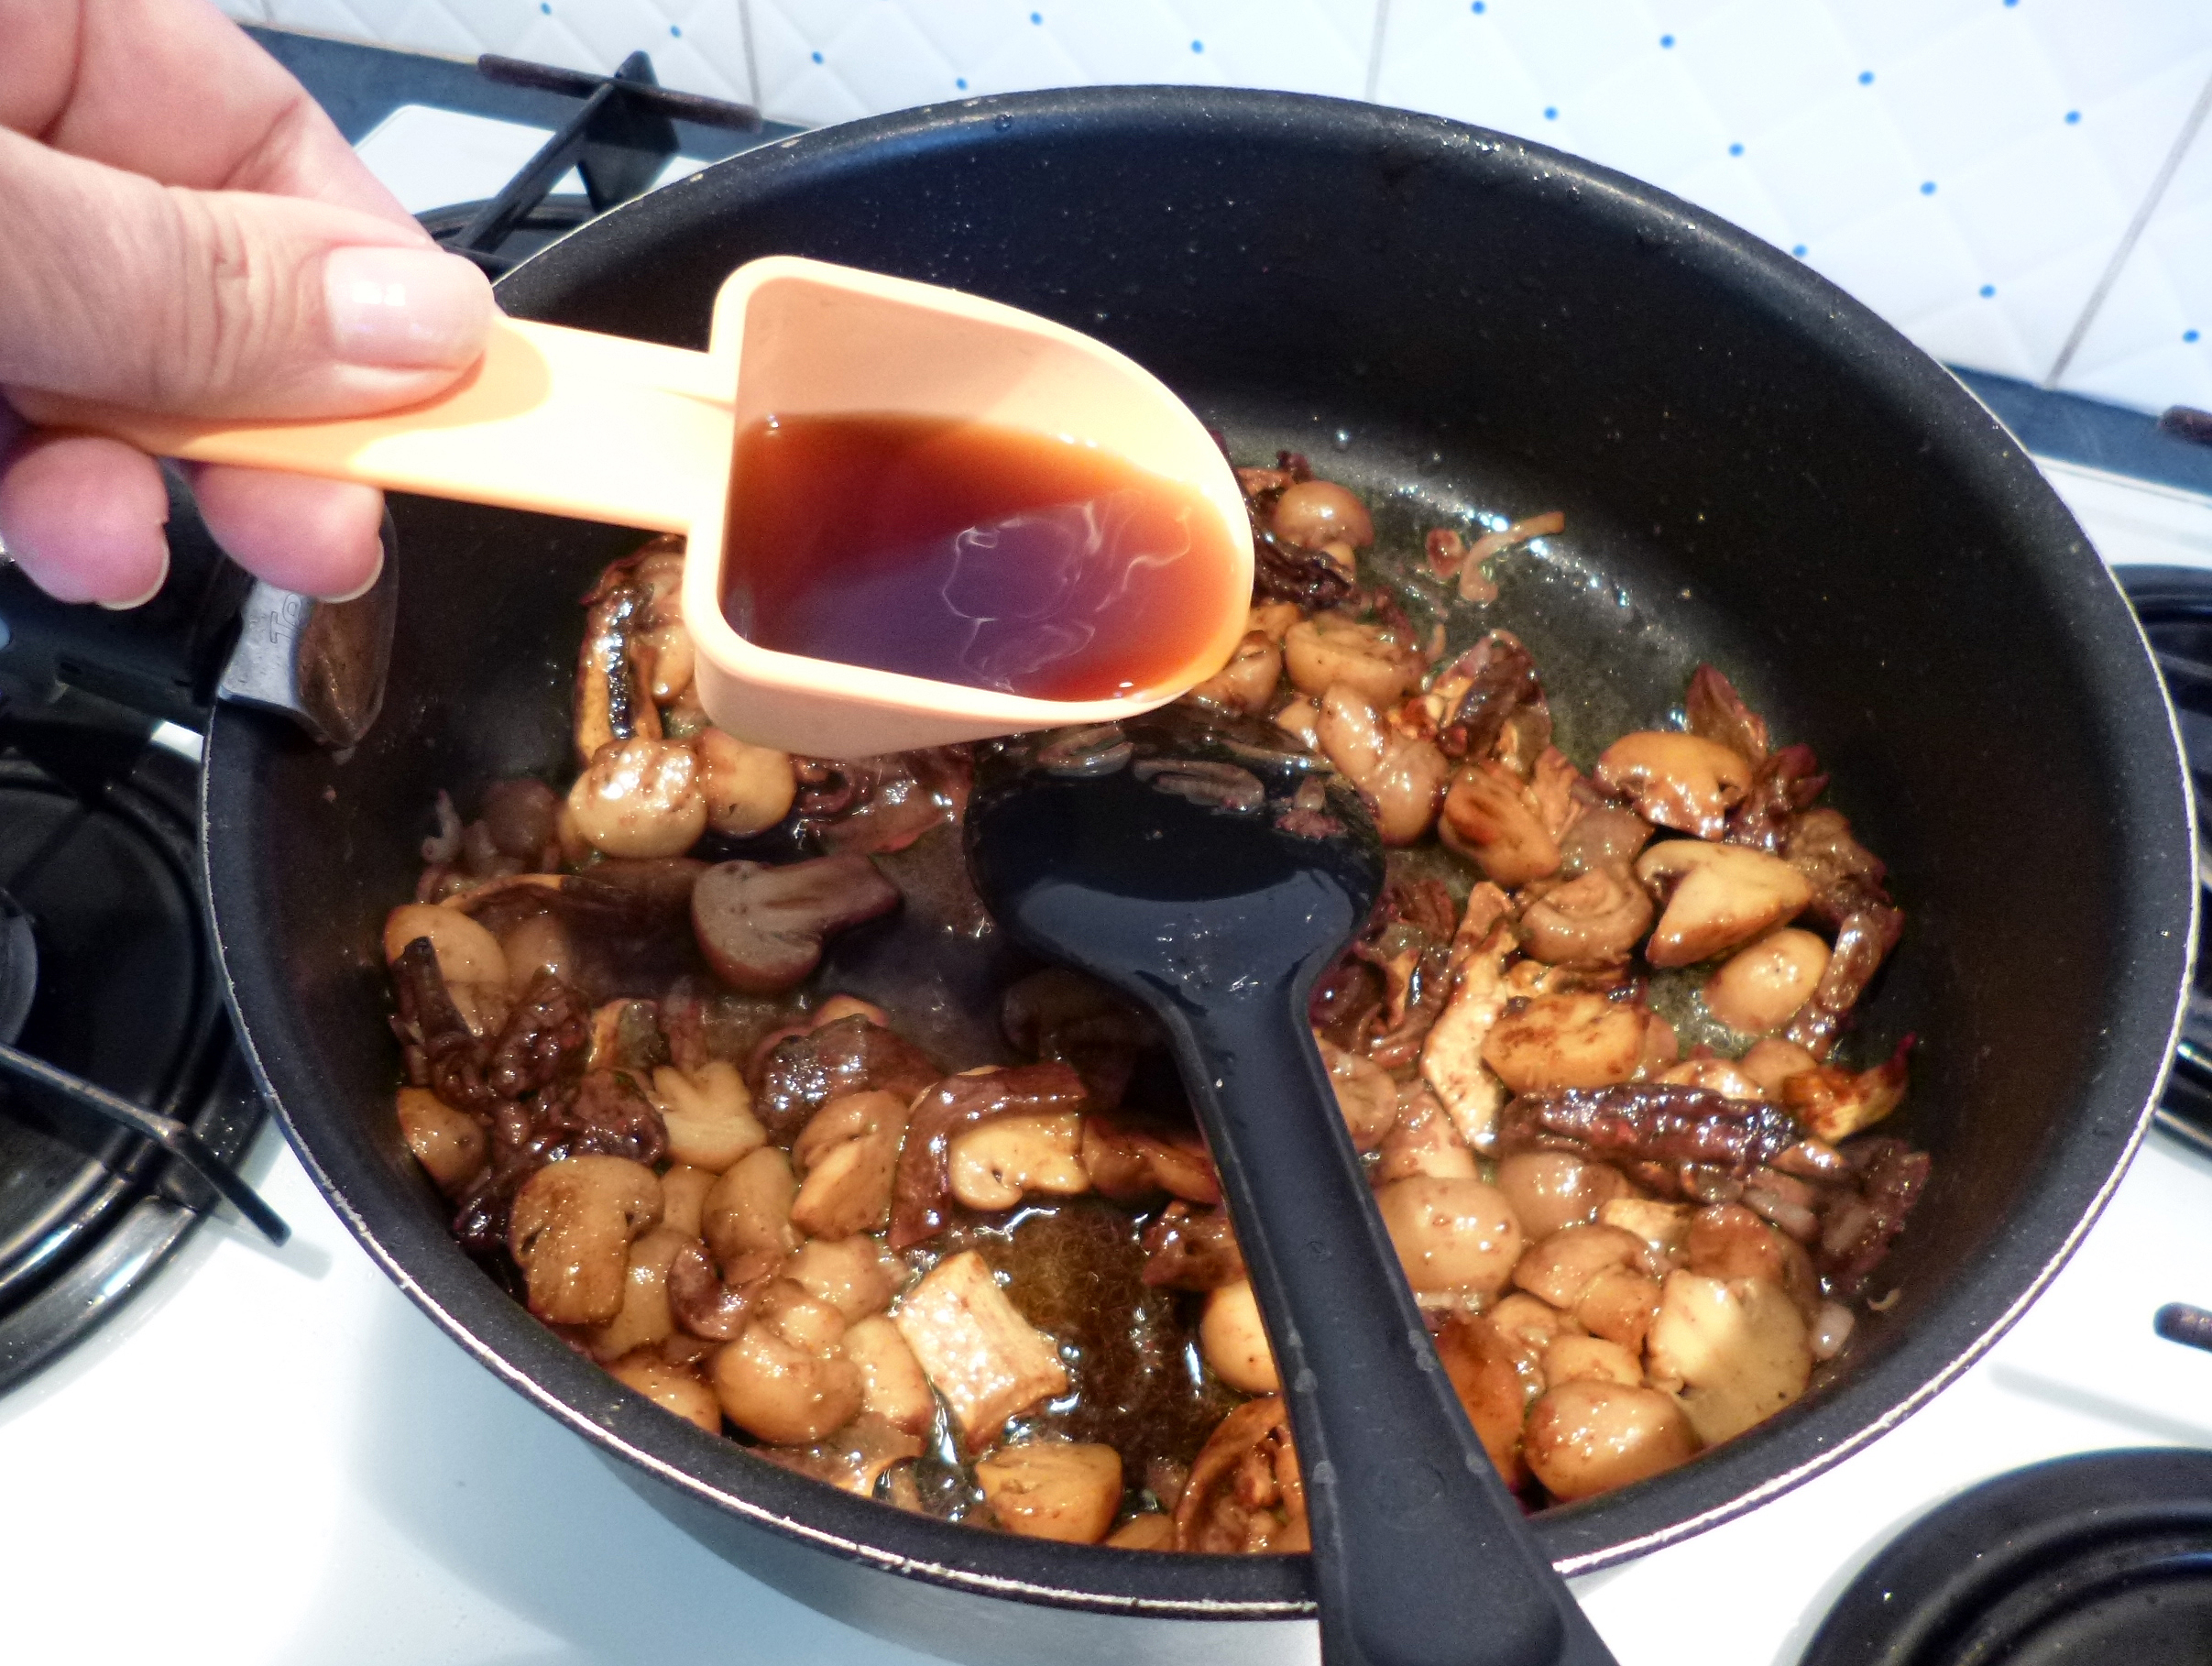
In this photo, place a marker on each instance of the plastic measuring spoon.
(605, 428)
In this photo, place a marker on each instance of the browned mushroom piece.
(1247, 683)
(921, 1195)
(1587, 1437)
(1491, 818)
(522, 816)
(570, 1232)
(706, 1303)
(1603, 836)
(1313, 514)
(1835, 1104)
(1192, 1249)
(1679, 781)
(1134, 1159)
(796, 1075)
(1244, 1494)
(1717, 713)
(1596, 919)
(1581, 1039)
(1715, 897)
(761, 926)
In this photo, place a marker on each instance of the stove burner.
(2174, 606)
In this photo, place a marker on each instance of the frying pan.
(1754, 470)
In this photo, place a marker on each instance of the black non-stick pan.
(1754, 469)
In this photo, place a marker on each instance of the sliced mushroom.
(891, 1384)
(1728, 1241)
(1679, 781)
(1759, 988)
(1603, 836)
(849, 1150)
(855, 1274)
(1244, 1493)
(996, 1164)
(1063, 1490)
(1235, 1341)
(467, 952)
(1592, 1359)
(1247, 684)
(1402, 776)
(1664, 1229)
(1833, 1104)
(707, 1305)
(449, 1143)
(640, 798)
(1596, 919)
(1330, 651)
(761, 927)
(1365, 1094)
(1425, 1139)
(1593, 1273)
(977, 1351)
(786, 1379)
(672, 1387)
(1586, 1438)
(644, 1319)
(748, 1210)
(1495, 1375)
(1715, 897)
(1491, 818)
(1132, 1161)
(1737, 1346)
(748, 789)
(708, 1113)
(1451, 1055)
(570, 1231)
(1581, 1040)
(1452, 1237)
(684, 1197)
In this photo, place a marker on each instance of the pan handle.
(211, 633)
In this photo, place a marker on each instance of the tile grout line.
(753, 58)
(1375, 48)
(2133, 235)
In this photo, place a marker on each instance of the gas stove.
(308, 1472)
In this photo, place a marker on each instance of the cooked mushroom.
(1426, 1139)
(467, 953)
(1679, 781)
(1573, 1359)
(1715, 897)
(1737, 1347)
(1314, 513)
(640, 797)
(1595, 919)
(1244, 1494)
(1235, 1341)
(1330, 651)
(761, 927)
(748, 1210)
(1247, 683)
(1586, 1438)
(449, 1143)
(1579, 1040)
(644, 1319)
(849, 1151)
(676, 1388)
(1452, 1237)
(1550, 1190)
(1664, 1229)
(1772, 1062)
(708, 1115)
(1064, 1490)
(786, 1379)
(1365, 1094)
(891, 1384)
(1492, 818)
(1833, 1104)
(684, 1197)
(1603, 836)
(709, 1305)
(977, 1351)
(1132, 1161)
(1759, 988)
(855, 1274)
(1496, 1375)
(570, 1231)
(1592, 1272)
(748, 788)
(1728, 1241)
(1451, 1056)
(996, 1164)
(1402, 776)
(1146, 1530)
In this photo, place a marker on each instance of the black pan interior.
(1753, 470)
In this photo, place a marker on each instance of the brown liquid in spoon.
(968, 553)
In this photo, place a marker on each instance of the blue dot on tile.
(1927, 188)
(1865, 78)
(676, 30)
(1798, 249)
(1198, 46)
(2188, 335)
(1736, 150)
(1989, 290)
(2011, 2)
(1478, 9)
(2073, 117)
(818, 58)
(545, 6)
(961, 84)
(1666, 40)
(1037, 17)
(1551, 113)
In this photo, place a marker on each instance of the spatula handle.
(564, 422)
(1391, 1469)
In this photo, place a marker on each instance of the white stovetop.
(272, 1458)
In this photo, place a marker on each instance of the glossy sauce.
(968, 553)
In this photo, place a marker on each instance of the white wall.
(2022, 186)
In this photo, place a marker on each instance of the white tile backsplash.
(1978, 171)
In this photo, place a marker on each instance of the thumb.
(117, 290)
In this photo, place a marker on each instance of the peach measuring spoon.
(605, 428)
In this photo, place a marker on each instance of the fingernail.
(405, 307)
(151, 591)
(365, 585)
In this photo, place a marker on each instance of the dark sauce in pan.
(967, 553)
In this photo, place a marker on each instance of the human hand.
(187, 231)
